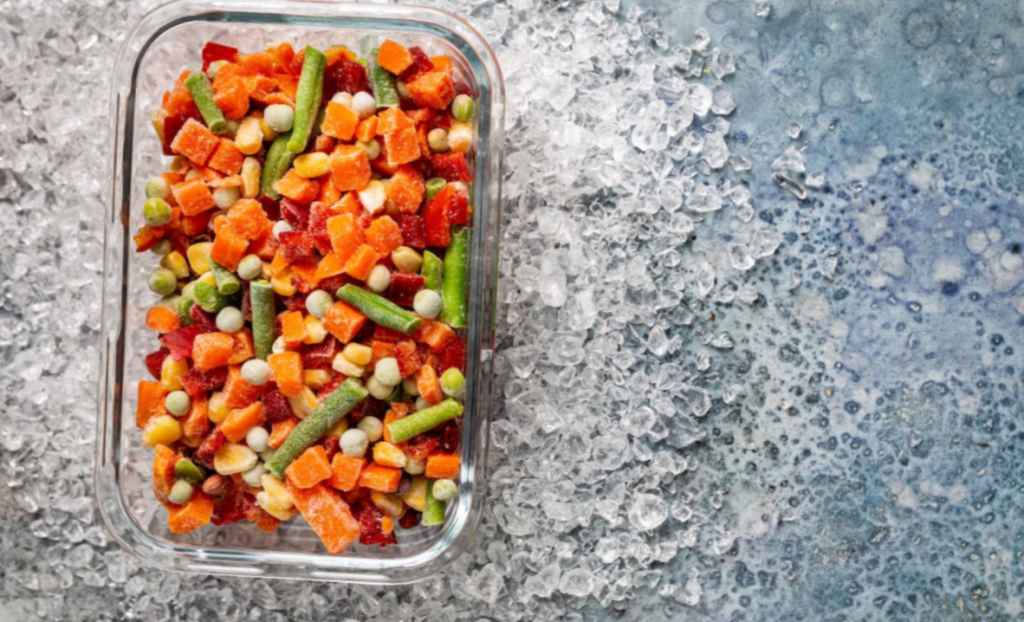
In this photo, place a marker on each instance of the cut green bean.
(199, 87)
(278, 160)
(307, 98)
(318, 423)
(419, 422)
(227, 282)
(261, 297)
(435, 184)
(433, 508)
(432, 271)
(453, 289)
(209, 298)
(380, 309)
(382, 82)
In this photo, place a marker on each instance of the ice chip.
(638, 421)
(793, 130)
(647, 512)
(704, 199)
(723, 63)
(700, 98)
(791, 160)
(577, 582)
(740, 257)
(700, 41)
(722, 101)
(648, 132)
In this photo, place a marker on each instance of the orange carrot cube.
(227, 158)
(407, 189)
(164, 460)
(237, 392)
(384, 235)
(361, 262)
(367, 129)
(193, 196)
(229, 247)
(434, 334)
(195, 142)
(350, 168)
(249, 219)
(329, 266)
(345, 471)
(432, 89)
(329, 193)
(443, 466)
(293, 328)
(394, 57)
(240, 420)
(242, 347)
(309, 469)
(212, 350)
(194, 225)
(343, 321)
(162, 319)
(441, 63)
(297, 188)
(192, 515)
(380, 478)
(304, 276)
(259, 87)
(279, 431)
(265, 246)
(328, 515)
(287, 369)
(339, 121)
(151, 402)
(391, 120)
(428, 386)
(402, 146)
(380, 350)
(262, 63)
(196, 423)
(346, 235)
(233, 98)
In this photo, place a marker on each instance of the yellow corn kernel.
(265, 273)
(199, 257)
(251, 171)
(268, 134)
(391, 505)
(342, 365)
(217, 409)
(282, 283)
(157, 119)
(268, 505)
(416, 496)
(303, 404)
(311, 165)
(174, 262)
(386, 454)
(315, 378)
(249, 137)
(339, 428)
(208, 278)
(277, 491)
(171, 372)
(315, 331)
(234, 458)
(162, 430)
(406, 259)
(460, 137)
(358, 353)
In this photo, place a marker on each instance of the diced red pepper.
(210, 446)
(271, 207)
(450, 435)
(295, 214)
(180, 341)
(173, 122)
(295, 303)
(233, 508)
(461, 88)
(452, 167)
(197, 383)
(329, 388)
(155, 361)
(410, 519)
(408, 356)
(320, 355)
(441, 119)
(350, 77)
(202, 319)
(370, 522)
(275, 406)
(421, 445)
(453, 354)
(383, 333)
(179, 241)
(215, 51)
(420, 63)
(330, 445)
(297, 246)
(404, 287)
(334, 283)
(413, 233)
(436, 222)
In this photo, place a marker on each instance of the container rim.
(463, 522)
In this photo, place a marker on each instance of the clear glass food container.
(163, 44)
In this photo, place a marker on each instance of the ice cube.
(647, 512)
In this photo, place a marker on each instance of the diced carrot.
(237, 392)
(389, 417)
(387, 524)
(229, 246)
(429, 387)
(361, 262)
(240, 420)
(281, 98)
(350, 168)
(260, 62)
(366, 129)
(380, 350)
(443, 466)
(343, 321)
(338, 52)
(227, 158)
(407, 189)
(441, 63)
(293, 328)
(381, 164)
(195, 142)
(196, 423)
(164, 459)
(242, 347)
(432, 89)
(423, 138)
(151, 402)
(329, 193)
(297, 188)
(227, 74)
(193, 196)
(162, 319)
(434, 334)
(147, 238)
(329, 266)
(345, 471)
(349, 204)
(283, 54)
(265, 246)
(172, 177)
(309, 469)
(339, 121)
(408, 356)
(233, 99)
(194, 225)
(356, 495)
(419, 115)
(380, 478)
(346, 236)
(402, 146)
(304, 276)
(212, 350)
(279, 431)
(192, 515)
(264, 521)
(230, 180)
(295, 66)
(287, 369)
(259, 87)
(328, 515)
(279, 263)
(384, 235)
(391, 120)
(178, 100)
(248, 218)
(394, 57)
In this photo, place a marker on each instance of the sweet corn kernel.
(373, 196)
(310, 165)
(315, 378)
(249, 137)
(339, 428)
(416, 496)
(171, 372)
(268, 133)
(217, 409)
(208, 278)
(358, 354)
(342, 365)
(391, 505)
(162, 430)
(303, 404)
(277, 491)
(251, 171)
(386, 454)
(199, 257)
(234, 458)
(282, 283)
(265, 273)
(460, 137)
(315, 331)
(175, 262)
(406, 259)
(157, 119)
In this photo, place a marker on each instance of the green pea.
(162, 282)
(157, 212)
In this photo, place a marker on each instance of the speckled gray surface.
(862, 451)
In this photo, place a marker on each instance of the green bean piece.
(419, 422)
(453, 289)
(261, 297)
(307, 98)
(278, 160)
(433, 508)
(209, 298)
(202, 94)
(382, 82)
(380, 309)
(309, 431)
(227, 281)
(432, 271)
